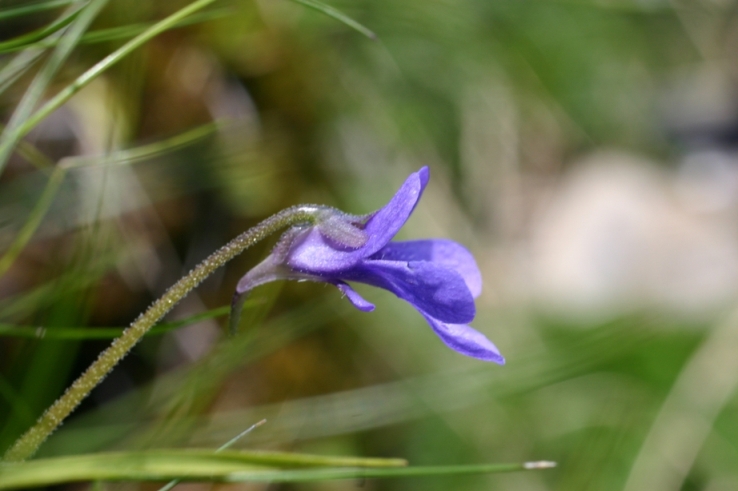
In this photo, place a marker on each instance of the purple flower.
(436, 276)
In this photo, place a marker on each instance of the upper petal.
(441, 251)
(466, 340)
(388, 220)
(316, 253)
(431, 288)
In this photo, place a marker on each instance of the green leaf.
(231, 466)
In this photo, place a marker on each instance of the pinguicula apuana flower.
(438, 277)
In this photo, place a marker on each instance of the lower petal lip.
(466, 340)
(431, 288)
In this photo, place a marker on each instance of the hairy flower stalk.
(303, 215)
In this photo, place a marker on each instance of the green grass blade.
(13, 134)
(40, 297)
(236, 438)
(338, 15)
(34, 220)
(128, 31)
(35, 91)
(113, 33)
(159, 465)
(32, 9)
(223, 447)
(34, 36)
(36, 158)
(19, 64)
(366, 473)
(230, 466)
(147, 151)
(79, 333)
(56, 178)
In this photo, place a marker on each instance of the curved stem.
(28, 444)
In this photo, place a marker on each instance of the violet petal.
(357, 300)
(440, 251)
(432, 288)
(466, 340)
(264, 272)
(388, 220)
(315, 253)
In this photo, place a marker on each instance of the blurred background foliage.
(584, 150)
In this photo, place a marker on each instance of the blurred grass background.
(584, 150)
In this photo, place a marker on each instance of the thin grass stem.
(338, 15)
(56, 177)
(35, 91)
(34, 36)
(128, 31)
(32, 9)
(168, 486)
(24, 60)
(15, 133)
(34, 220)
